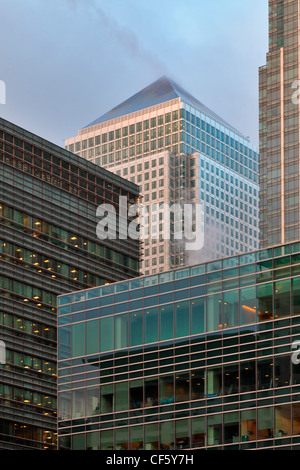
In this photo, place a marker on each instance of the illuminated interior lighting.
(249, 309)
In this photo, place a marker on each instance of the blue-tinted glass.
(108, 300)
(247, 269)
(230, 309)
(64, 310)
(150, 280)
(247, 258)
(166, 318)
(182, 284)
(248, 313)
(228, 273)
(212, 277)
(121, 331)
(281, 262)
(78, 296)
(92, 337)
(78, 339)
(282, 250)
(197, 280)
(182, 273)
(121, 297)
(264, 254)
(64, 320)
(197, 316)
(64, 341)
(181, 294)
(182, 319)
(265, 302)
(197, 291)
(104, 311)
(150, 301)
(166, 277)
(79, 316)
(78, 306)
(214, 266)
(167, 287)
(136, 328)
(106, 290)
(92, 303)
(106, 334)
(214, 318)
(136, 283)
(213, 287)
(166, 298)
(93, 313)
(282, 304)
(136, 304)
(65, 299)
(122, 307)
(151, 325)
(153, 290)
(247, 281)
(295, 248)
(121, 286)
(136, 294)
(91, 293)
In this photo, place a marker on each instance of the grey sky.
(66, 62)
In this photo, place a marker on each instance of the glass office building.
(196, 357)
(48, 246)
(180, 151)
(279, 127)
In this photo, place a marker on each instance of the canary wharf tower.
(279, 127)
(177, 150)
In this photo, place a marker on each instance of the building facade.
(279, 127)
(196, 357)
(48, 246)
(178, 151)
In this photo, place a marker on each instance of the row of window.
(29, 364)
(244, 427)
(144, 325)
(45, 264)
(162, 124)
(26, 434)
(55, 166)
(8, 394)
(194, 384)
(28, 327)
(40, 228)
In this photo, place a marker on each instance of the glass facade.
(279, 127)
(48, 246)
(197, 357)
(178, 151)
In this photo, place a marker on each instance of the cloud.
(115, 32)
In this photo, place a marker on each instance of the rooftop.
(160, 91)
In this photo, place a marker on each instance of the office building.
(179, 151)
(279, 127)
(197, 357)
(48, 246)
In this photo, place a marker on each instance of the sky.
(66, 62)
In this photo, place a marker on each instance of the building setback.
(279, 127)
(197, 357)
(48, 246)
(179, 151)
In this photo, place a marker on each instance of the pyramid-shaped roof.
(160, 91)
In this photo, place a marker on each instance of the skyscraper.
(196, 357)
(279, 127)
(48, 245)
(177, 150)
